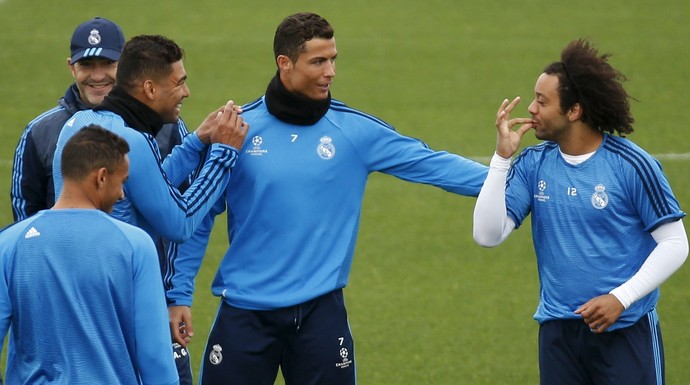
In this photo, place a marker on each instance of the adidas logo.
(32, 233)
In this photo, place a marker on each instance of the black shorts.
(570, 354)
(183, 363)
(311, 343)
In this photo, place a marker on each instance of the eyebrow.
(181, 80)
(317, 58)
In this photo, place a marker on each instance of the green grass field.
(426, 304)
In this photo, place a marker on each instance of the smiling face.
(94, 78)
(169, 92)
(551, 122)
(312, 73)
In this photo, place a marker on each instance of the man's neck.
(74, 197)
(581, 140)
(136, 114)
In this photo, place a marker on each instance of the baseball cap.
(97, 37)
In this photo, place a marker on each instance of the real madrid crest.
(94, 37)
(215, 357)
(325, 149)
(600, 199)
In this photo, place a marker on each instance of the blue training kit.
(295, 197)
(612, 202)
(294, 203)
(76, 282)
(150, 192)
(591, 227)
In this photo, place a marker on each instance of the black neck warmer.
(292, 108)
(136, 114)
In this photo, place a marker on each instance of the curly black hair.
(585, 77)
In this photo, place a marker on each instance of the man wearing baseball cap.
(95, 49)
(94, 53)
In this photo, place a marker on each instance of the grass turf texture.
(427, 305)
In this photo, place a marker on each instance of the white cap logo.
(94, 37)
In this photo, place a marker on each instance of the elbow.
(486, 233)
(178, 235)
(486, 240)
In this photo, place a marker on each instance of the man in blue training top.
(150, 88)
(95, 49)
(606, 227)
(79, 290)
(294, 204)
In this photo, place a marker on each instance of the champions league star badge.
(600, 199)
(325, 149)
(94, 37)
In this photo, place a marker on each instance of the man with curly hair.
(606, 227)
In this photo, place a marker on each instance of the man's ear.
(71, 67)
(575, 112)
(150, 89)
(101, 178)
(284, 63)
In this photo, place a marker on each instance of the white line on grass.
(670, 157)
(673, 156)
(485, 159)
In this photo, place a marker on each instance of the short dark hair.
(297, 29)
(585, 77)
(91, 148)
(146, 57)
